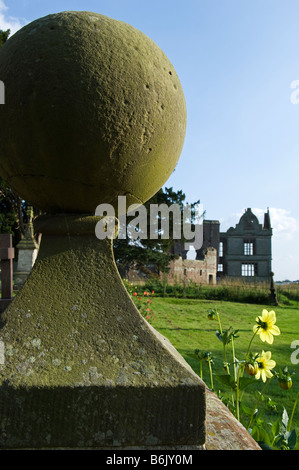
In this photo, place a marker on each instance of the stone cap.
(224, 431)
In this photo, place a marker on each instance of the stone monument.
(27, 253)
(7, 254)
(94, 110)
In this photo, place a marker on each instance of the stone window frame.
(220, 249)
(248, 269)
(248, 247)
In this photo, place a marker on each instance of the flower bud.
(211, 315)
(251, 368)
(285, 383)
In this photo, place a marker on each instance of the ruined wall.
(198, 271)
(211, 231)
(182, 270)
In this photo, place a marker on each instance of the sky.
(238, 62)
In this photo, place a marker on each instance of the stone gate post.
(7, 254)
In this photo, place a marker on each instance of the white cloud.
(285, 227)
(285, 254)
(285, 245)
(9, 22)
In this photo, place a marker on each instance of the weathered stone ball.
(93, 110)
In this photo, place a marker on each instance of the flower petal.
(264, 378)
(272, 316)
(267, 355)
(275, 330)
(266, 336)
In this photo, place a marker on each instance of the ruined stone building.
(243, 252)
(199, 271)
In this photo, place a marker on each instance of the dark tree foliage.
(148, 252)
(13, 213)
(4, 36)
(13, 209)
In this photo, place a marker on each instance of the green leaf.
(245, 381)
(226, 380)
(285, 420)
(263, 437)
(292, 438)
(276, 428)
(264, 446)
(254, 432)
(218, 334)
(227, 335)
(193, 356)
(279, 440)
(246, 410)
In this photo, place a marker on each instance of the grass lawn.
(185, 323)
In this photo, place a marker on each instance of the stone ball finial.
(93, 110)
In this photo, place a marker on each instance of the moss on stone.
(74, 314)
(78, 351)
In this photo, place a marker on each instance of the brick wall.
(198, 271)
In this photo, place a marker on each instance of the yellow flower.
(265, 364)
(265, 326)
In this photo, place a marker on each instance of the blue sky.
(236, 60)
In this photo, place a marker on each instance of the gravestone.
(27, 253)
(106, 112)
(7, 254)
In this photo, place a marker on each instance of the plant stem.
(258, 401)
(293, 411)
(238, 393)
(211, 375)
(219, 323)
(234, 359)
(250, 343)
(224, 349)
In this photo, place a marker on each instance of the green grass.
(236, 291)
(185, 323)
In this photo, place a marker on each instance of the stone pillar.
(27, 253)
(7, 254)
(88, 370)
(106, 112)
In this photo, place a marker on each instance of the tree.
(154, 251)
(13, 209)
(4, 36)
(13, 213)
